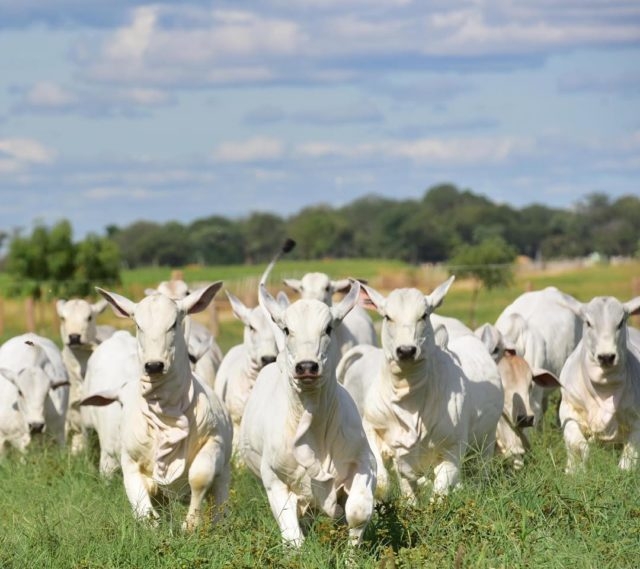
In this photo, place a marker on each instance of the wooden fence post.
(30, 314)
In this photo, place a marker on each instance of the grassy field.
(58, 513)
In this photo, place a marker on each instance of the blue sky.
(116, 111)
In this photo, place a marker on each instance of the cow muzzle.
(266, 360)
(606, 359)
(36, 428)
(307, 372)
(406, 352)
(154, 367)
(75, 339)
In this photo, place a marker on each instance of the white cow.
(242, 363)
(423, 405)
(205, 354)
(34, 365)
(357, 327)
(80, 334)
(600, 383)
(113, 363)
(544, 331)
(176, 434)
(301, 432)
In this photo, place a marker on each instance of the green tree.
(489, 264)
(262, 234)
(49, 261)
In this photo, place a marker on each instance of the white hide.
(205, 354)
(80, 335)
(34, 363)
(357, 327)
(176, 434)
(242, 363)
(113, 363)
(301, 433)
(542, 329)
(424, 403)
(600, 383)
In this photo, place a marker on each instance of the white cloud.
(252, 150)
(462, 151)
(25, 151)
(47, 94)
(109, 193)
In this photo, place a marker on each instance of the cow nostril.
(523, 421)
(74, 339)
(35, 428)
(406, 352)
(154, 367)
(266, 360)
(307, 368)
(606, 359)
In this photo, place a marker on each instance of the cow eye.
(326, 288)
(424, 316)
(89, 318)
(495, 350)
(251, 328)
(285, 330)
(387, 318)
(588, 323)
(329, 330)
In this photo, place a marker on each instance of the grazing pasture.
(58, 512)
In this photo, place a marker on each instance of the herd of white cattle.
(317, 404)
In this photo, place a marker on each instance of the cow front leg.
(359, 504)
(447, 474)
(284, 507)
(631, 450)
(577, 446)
(136, 489)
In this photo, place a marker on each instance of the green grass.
(58, 513)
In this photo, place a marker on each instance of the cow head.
(407, 332)
(604, 331)
(259, 339)
(318, 286)
(308, 327)
(160, 325)
(78, 321)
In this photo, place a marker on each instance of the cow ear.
(198, 300)
(340, 310)
(99, 306)
(283, 299)
(441, 336)
(577, 307)
(271, 306)
(437, 296)
(371, 299)
(238, 308)
(295, 284)
(9, 375)
(121, 305)
(60, 306)
(101, 398)
(632, 306)
(545, 378)
(341, 285)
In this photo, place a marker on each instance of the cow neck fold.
(406, 390)
(166, 404)
(312, 412)
(607, 397)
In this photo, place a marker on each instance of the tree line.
(431, 229)
(447, 224)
